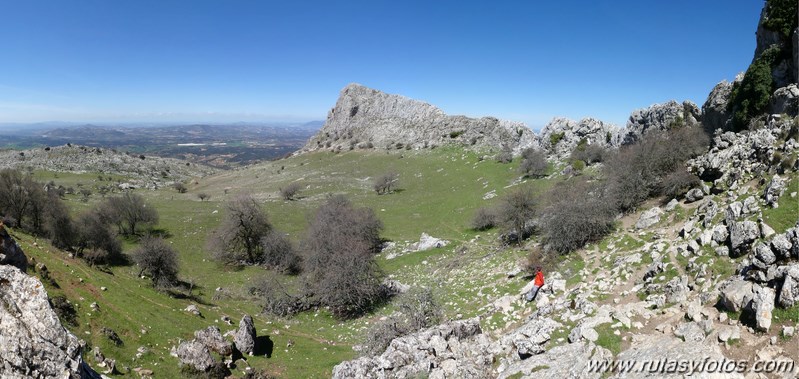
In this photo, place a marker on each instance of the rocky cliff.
(368, 118)
(33, 343)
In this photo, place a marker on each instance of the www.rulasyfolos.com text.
(691, 366)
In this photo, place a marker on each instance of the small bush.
(290, 191)
(277, 299)
(678, 183)
(386, 183)
(506, 156)
(578, 165)
(484, 219)
(158, 260)
(576, 215)
(533, 164)
(554, 138)
(589, 154)
(180, 187)
(456, 134)
(65, 310)
(203, 196)
(279, 254)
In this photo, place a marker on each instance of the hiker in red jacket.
(537, 284)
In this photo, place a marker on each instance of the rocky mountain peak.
(367, 118)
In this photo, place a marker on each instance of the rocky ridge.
(365, 118)
(368, 118)
(147, 172)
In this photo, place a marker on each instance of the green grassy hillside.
(439, 192)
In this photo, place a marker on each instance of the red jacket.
(539, 279)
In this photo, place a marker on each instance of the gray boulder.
(781, 246)
(531, 338)
(762, 306)
(33, 343)
(212, 338)
(764, 254)
(774, 189)
(742, 234)
(789, 291)
(194, 354)
(693, 195)
(736, 294)
(245, 335)
(676, 290)
(785, 100)
(720, 234)
(690, 332)
(649, 218)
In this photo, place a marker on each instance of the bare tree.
(290, 191)
(203, 196)
(58, 223)
(180, 187)
(386, 183)
(238, 237)
(534, 163)
(157, 260)
(516, 212)
(279, 253)
(95, 239)
(128, 212)
(341, 271)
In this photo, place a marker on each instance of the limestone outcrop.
(368, 118)
(660, 117)
(33, 343)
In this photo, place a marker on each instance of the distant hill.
(221, 146)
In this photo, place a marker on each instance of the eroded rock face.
(786, 100)
(561, 135)
(364, 117)
(245, 335)
(33, 343)
(660, 117)
(653, 348)
(714, 110)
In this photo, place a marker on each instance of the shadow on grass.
(264, 346)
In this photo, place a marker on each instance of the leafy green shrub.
(456, 134)
(578, 165)
(554, 138)
(750, 97)
(781, 17)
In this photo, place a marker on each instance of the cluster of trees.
(583, 210)
(335, 258)
(39, 209)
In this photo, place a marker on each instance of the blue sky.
(220, 61)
